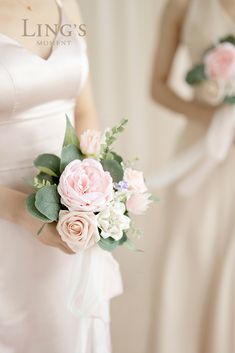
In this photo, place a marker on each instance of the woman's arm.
(12, 209)
(172, 21)
(85, 112)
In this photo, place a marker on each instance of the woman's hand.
(12, 209)
(49, 236)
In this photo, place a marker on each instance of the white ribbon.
(201, 159)
(95, 280)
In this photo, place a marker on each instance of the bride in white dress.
(43, 308)
(195, 292)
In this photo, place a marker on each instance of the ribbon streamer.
(95, 280)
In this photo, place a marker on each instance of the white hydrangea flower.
(122, 195)
(112, 221)
(230, 87)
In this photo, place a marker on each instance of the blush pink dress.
(50, 302)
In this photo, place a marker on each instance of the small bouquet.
(216, 73)
(89, 191)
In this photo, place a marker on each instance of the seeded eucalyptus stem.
(111, 137)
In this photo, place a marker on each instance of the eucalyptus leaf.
(45, 177)
(229, 100)
(116, 156)
(70, 137)
(48, 202)
(228, 39)
(31, 208)
(196, 75)
(48, 164)
(131, 246)
(69, 154)
(123, 239)
(108, 244)
(114, 168)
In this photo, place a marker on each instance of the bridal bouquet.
(88, 191)
(216, 73)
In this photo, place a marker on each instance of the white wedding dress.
(50, 302)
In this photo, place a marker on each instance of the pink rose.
(78, 229)
(220, 62)
(85, 186)
(135, 180)
(138, 203)
(90, 142)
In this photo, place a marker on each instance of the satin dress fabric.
(195, 291)
(48, 300)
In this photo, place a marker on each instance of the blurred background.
(122, 38)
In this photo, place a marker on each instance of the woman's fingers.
(63, 244)
(65, 249)
(57, 244)
(50, 237)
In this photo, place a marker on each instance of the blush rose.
(90, 142)
(138, 203)
(78, 229)
(220, 62)
(135, 180)
(85, 186)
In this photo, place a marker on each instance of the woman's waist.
(21, 140)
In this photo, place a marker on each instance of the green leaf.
(114, 168)
(117, 158)
(154, 199)
(228, 39)
(131, 246)
(196, 75)
(31, 208)
(111, 137)
(70, 137)
(108, 244)
(69, 154)
(123, 239)
(41, 229)
(45, 177)
(48, 164)
(48, 202)
(229, 100)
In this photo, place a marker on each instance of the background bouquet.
(216, 73)
(89, 191)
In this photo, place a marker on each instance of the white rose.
(112, 221)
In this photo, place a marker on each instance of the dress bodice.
(206, 22)
(35, 95)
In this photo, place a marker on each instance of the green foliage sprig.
(110, 137)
